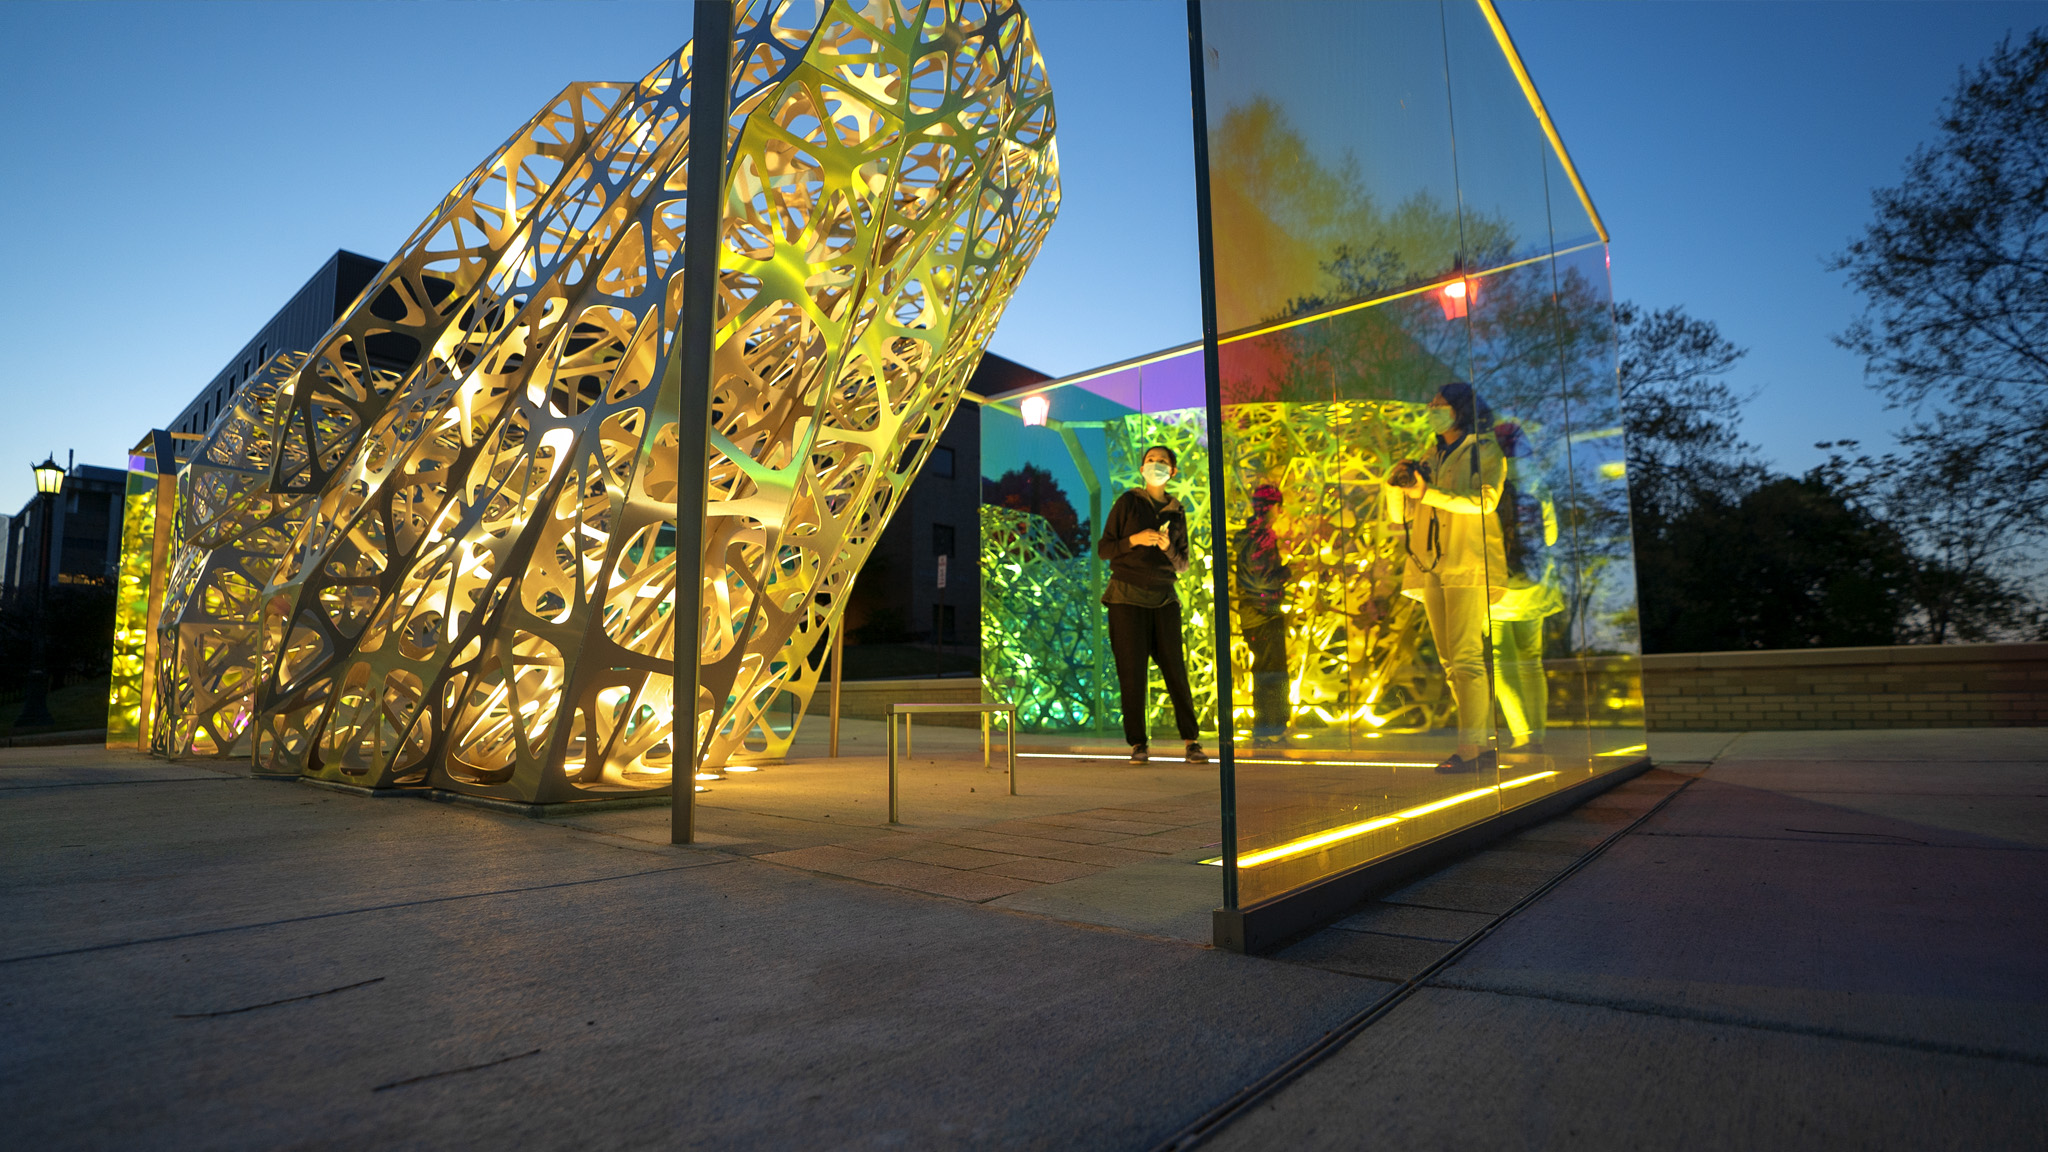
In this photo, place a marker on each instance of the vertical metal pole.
(838, 674)
(889, 718)
(690, 368)
(1212, 390)
(1010, 732)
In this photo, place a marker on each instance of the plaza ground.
(1789, 940)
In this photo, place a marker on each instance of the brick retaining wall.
(1935, 686)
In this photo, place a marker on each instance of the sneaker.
(1196, 755)
(1140, 753)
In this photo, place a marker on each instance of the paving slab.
(1459, 1070)
(1759, 963)
(253, 964)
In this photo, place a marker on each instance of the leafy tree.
(1680, 414)
(1954, 272)
(1033, 489)
(1790, 563)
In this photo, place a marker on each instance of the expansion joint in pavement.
(1731, 1020)
(1220, 1117)
(338, 912)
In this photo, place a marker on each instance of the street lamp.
(49, 476)
(35, 710)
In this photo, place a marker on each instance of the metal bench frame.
(906, 711)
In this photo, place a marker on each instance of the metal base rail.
(988, 711)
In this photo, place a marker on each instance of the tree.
(1954, 272)
(1033, 489)
(1790, 563)
(1680, 414)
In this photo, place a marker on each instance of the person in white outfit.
(1456, 563)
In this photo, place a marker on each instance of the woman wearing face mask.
(1145, 540)
(1456, 561)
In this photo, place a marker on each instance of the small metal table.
(906, 711)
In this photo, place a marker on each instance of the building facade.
(898, 599)
(85, 536)
(305, 318)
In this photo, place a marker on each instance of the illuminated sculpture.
(465, 493)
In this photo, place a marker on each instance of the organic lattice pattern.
(479, 596)
(1040, 624)
(233, 532)
(1353, 644)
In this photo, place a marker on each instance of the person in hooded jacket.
(1145, 540)
(1262, 576)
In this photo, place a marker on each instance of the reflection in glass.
(1406, 272)
(1411, 348)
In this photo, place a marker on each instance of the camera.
(1405, 473)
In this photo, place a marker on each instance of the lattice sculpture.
(1039, 623)
(479, 596)
(1353, 641)
(234, 532)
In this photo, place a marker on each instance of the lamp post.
(35, 709)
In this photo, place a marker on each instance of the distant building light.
(1034, 409)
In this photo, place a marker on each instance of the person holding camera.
(1456, 561)
(1145, 540)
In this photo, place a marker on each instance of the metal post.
(689, 374)
(1212, 388)
(838, 674)
(1011, 735)
(889, 719)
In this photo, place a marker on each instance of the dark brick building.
(900, 622)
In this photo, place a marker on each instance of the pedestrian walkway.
(1803, 940)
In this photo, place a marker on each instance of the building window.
(941, 464)
(942, 539)
(263, 354)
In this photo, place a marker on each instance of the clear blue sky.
(177, 170)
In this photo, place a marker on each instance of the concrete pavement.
(1827, 940)
(1818, 940)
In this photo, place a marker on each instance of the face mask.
(1156, 473)
(1440, 419)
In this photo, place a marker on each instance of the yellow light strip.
(1007, 405)
(1571, 171)
(1447, 802)
(1349, 763)
(1631, 750)
(1113, 755)
(1309, 844)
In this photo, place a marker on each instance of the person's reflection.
(1261, 606)
(1455, 557)
(1528, 523)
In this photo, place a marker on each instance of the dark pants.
(1266, 638)
(1136, 636)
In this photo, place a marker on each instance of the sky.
(178, 170)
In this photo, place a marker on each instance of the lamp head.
(1035, 409)
(49, 477)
